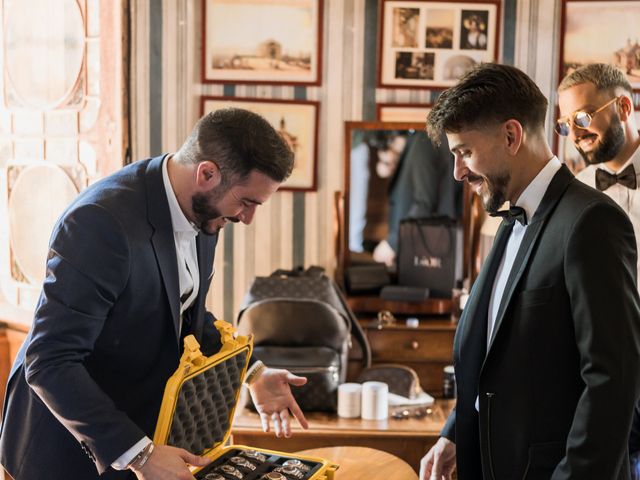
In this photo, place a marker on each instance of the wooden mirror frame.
(471, 220)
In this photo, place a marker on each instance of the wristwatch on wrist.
(142, 457)
(254, 372)
(242, 462)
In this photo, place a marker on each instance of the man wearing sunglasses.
(596, 113)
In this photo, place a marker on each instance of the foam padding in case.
(205, 406)
(197, 410)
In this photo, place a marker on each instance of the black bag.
(301, 322)
(430, 254)
(369, 278)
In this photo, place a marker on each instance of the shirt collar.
(178, 219)
(635, 159)
(531, 197)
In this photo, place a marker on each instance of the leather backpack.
(301, 322)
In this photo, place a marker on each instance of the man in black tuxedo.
(129, 266)
(547, 351)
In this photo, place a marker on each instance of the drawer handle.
(414, 344)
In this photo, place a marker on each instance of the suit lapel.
(162, 238)
(473, 324)
(205, 245)
(554, 192)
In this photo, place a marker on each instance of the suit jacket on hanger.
(559, 379)
(88, 382)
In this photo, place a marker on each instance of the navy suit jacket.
(88, 382)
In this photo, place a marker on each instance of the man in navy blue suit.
(129, 265)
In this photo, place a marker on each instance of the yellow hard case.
(200, 400)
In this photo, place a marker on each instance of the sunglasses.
(579, 119)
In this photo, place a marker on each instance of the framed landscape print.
(403, 112)
(262, 41)
(432, 44)
(601, 32)
(295, 120)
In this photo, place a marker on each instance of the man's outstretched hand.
(271, 394)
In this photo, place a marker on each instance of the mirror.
(392, 171)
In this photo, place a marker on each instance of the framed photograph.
(295, 120)
(403, 112)
(601, 32)
(262, 41)
(432, 44)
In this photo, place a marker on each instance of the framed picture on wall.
(432, 44)
(262, 41)
(601, 32)
(295, 120)
(403, 112)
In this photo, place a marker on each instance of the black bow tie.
(514, 213)
(627, 177)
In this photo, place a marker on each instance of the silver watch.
(213, 476)
(294, 462)
(290, 471)
(255, 455)
(229, 470)
(242, 462)
(273, 476)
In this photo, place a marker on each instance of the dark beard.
(610, 146)
(496, 189)
(204, 210)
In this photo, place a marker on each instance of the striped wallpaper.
(294, 228)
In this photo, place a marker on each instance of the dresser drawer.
(411, 345)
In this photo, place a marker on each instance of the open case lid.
(200, 398)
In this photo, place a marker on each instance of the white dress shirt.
(629, 200)
(530, 201)
(184, 236)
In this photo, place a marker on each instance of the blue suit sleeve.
(87, 269)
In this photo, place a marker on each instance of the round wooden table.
(362, 463)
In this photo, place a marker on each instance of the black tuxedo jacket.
(558, 382)
(88, 382)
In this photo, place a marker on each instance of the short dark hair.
(603, 76)
(238, 141)
(491, 93)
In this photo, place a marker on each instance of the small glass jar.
(449, 382)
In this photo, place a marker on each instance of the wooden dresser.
(427, 348)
